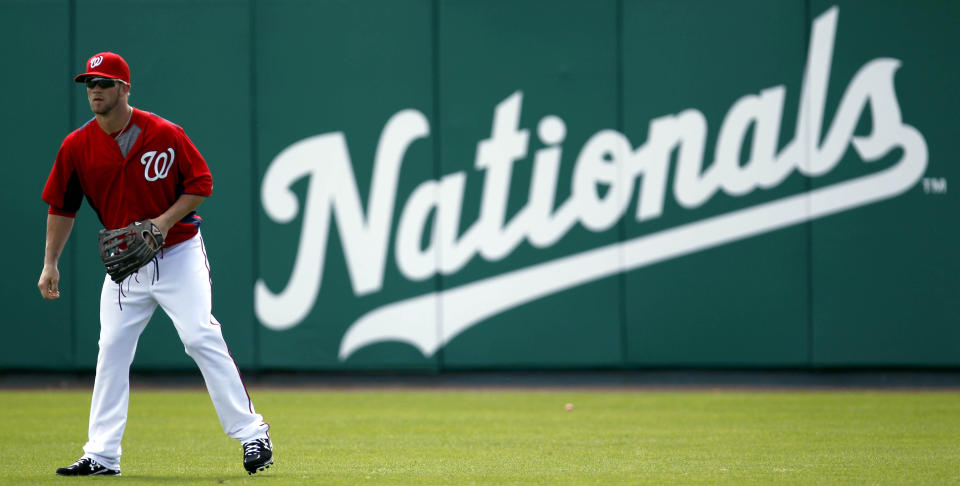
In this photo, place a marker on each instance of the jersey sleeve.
(194, 173)
(63, 191)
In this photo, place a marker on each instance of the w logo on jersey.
(95, 61)
(156, 166)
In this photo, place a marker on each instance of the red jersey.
(137, 175)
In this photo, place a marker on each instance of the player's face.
(104, 100)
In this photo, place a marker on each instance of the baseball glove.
(125, 250)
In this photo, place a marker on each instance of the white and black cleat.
(86, 466)
(257, 455)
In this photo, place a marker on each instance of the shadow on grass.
(204, 479)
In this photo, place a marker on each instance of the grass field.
(493, 437)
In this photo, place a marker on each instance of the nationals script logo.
(607, 158)
(157, 166)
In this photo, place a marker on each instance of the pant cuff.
(103, 461)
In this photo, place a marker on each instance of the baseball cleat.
(257, 455)
(87, 467)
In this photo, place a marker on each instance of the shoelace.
(84, 460)
(252, 447)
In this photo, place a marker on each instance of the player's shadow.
(205, 479)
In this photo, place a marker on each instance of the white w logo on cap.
(95, 61)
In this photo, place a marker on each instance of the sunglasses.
(103, 83)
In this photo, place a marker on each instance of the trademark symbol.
(934, 185)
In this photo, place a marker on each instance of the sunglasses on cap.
(103, 83)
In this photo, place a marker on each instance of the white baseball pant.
(183, 290)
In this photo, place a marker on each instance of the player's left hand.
(163, 225)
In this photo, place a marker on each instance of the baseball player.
(133, 165)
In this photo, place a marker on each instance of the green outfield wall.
(568, 184)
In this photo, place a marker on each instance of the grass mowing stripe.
(510, 437)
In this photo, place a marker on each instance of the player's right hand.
(49, 283)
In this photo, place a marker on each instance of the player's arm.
(58, 230)
(195, 181)
(182, 207)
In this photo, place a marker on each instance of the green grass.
(508, 437)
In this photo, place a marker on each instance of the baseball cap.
(106, 65)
